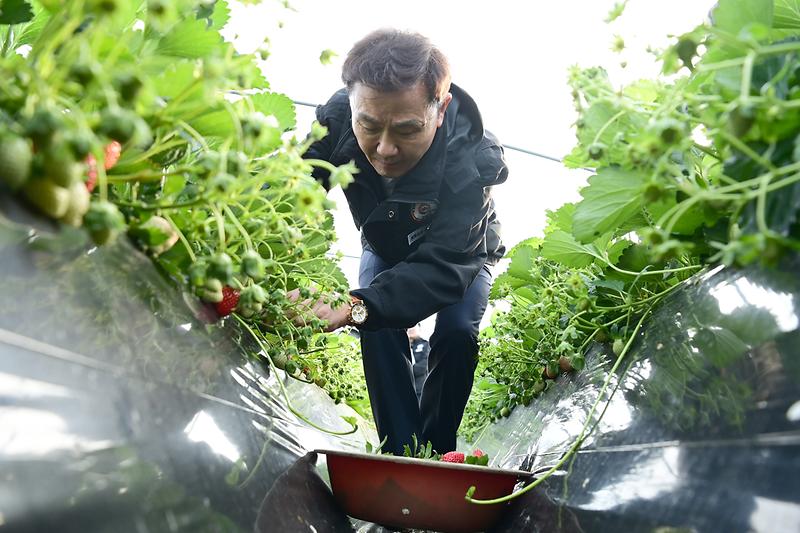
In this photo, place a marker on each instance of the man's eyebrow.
(409, 123)
(412, 122)
(363, 117)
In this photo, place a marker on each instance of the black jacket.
(437, 227)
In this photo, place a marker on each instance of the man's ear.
(442, 108)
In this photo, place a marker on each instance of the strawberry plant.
(702, 168)
(135, 118)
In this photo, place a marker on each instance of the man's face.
(395, 129)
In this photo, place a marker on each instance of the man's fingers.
(293, 295)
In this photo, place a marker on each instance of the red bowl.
(403, 492)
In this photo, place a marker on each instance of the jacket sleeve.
(440, 270)
(330, 115)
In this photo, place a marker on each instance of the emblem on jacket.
(422, 211)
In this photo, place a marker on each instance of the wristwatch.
(358, 312)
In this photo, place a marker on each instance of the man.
(422, 202)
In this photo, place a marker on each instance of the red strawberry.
(230, 297)
(453, 457)
(113, 151)
(478, 453)
(91, 173)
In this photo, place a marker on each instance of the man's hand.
(334, 318)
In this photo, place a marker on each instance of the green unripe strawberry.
(209, 163)
(686, 50)
(254, 294)
(222, 182)
(128, 86)
(60, 165)
(158, 8)
(237, 163)
(16, 156)
(596, 150)
(668, 130)
(255, 124)
(197, 274)
(102, 7)
(619, 345)
(653, 192)
(51, 199)
(156, 234)
(740, 120)
(220, 266)
(79, 200)
(80, 143)
(83, 72)
(43, 125)
(119, 124)
(253, 265)
(104, 222)
(211, 291)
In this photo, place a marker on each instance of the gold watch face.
(358, 313)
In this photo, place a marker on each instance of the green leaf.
(190, 39)
(613, 284)
(149, 235)
(734, 15)
(505, 280)
(644, 90)
(350, 420)
(527, 293)
(561, 218)
(786, 14)
(612, 197)
(616, 11)
(174, 184)
(217, 123)
(562, 247)
(535, 242)
(279, 105)
(522, 263)
(221, 15)
(174, 78)
(322, 267)
(577, 158)
(28, 33)
(615, 252)
(597, 124)
(15, 11)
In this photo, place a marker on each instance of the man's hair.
(390, 60)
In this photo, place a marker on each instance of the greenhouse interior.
(215, 319)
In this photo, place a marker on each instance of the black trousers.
(451, 364)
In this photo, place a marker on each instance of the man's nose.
(386, 147)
